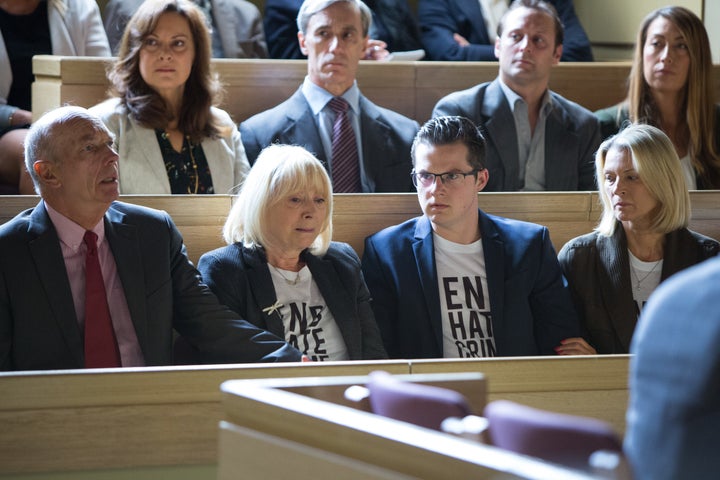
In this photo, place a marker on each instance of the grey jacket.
(597, 269)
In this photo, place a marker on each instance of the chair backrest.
(569, 440)
(422, 405)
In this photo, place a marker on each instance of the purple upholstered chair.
(422, 405)
(569, 440)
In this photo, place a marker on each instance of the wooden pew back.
(108, 420)
(411, 88)
(355, 216)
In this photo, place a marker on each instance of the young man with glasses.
(457, 282)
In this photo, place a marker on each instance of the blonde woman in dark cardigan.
(641, 240)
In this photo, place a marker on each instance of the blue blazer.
(386, 140)
(572, 136)
(240, 278)
(440, 19)
(38, 325)
(530, 304)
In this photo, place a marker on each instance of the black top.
(188, 169)
(25, 36)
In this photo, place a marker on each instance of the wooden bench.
(146, 421)
(411, 88)
(355, 216)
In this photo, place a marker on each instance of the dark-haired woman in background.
(169, 136)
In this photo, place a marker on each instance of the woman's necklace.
(638, 280)
(289, 281)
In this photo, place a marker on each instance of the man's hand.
(575, 346)
(376, 50)
(460, 40)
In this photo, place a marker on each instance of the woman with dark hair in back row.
(168, 134)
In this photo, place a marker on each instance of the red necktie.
(101, 349)
(345, 163)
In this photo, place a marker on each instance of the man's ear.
(301, 41)
(482, 179)
(497, 47)
(557, 54)
(46, 173)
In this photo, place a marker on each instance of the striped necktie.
(345, 164)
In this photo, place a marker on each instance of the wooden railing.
(164, 417)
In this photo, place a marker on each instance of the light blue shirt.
(531, 145)
(318, 98)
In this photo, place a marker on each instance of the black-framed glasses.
(449, 179)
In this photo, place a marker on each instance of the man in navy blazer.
(457, 282)
(151, 286)
(673, 414)
(456, 30)
(333, 34)
(536, 139)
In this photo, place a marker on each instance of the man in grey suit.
(536, 139)
(236, 26)
(333, 34)
(673, 414)
(50, 316)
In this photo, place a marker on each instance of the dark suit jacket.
(386, 140)
(440, 19)
(393, 22)
(530, 305)
(572, 136)
(241, 279)
(38, 324)
(674, 408)
(598, 272)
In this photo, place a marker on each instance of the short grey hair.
(311, 7)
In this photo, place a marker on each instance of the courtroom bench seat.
(355, 216)
(410, 88)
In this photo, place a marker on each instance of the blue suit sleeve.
(438, 25)
(576, 45)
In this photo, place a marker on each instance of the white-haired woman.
(280, 270)
(641, 240)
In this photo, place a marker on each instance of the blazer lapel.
(376, 137)
(301, 128)
(48, 260)
(616, 285)
(338, 301)
(560, 138)
(125, 246)
(148, 148)
(260, 284)
(424, 252)
(499, 124)
(494, 251)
